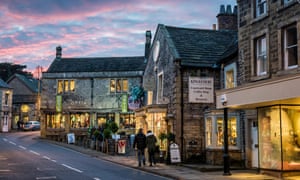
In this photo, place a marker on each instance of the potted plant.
(110, 128)
(162, 136)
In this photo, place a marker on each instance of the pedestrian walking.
(151, 146)
(140, 144)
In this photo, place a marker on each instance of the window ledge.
(285, 6)
(288, 71)
(260, 18)
(261, 77)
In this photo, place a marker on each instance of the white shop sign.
(174, 153)
(71, 138)
(201, 90)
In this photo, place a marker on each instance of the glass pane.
(290, 137)
(72, 85)
(232, 131)
(220, 138)
(125, 85)
(208, 128)
(66, 85)
(112, 85)
(269, 138)
(292, 56)
(119, 87)
(59, 86)
(230, 79)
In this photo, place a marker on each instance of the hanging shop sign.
(201, 90)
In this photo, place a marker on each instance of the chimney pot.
(214, 27)
(228, 9)
(222, 9)
(58, 52)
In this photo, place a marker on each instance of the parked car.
(32, 126)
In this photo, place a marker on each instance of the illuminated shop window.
(64, 86)
(80, 120)
(215, 131)
(118, 85)
(55, 121)
(103, 118)
(278, 137)
(209, 131)
(127, 121)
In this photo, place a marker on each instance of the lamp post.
(226, 155)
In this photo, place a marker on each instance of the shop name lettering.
(74, 100)
(201, 81)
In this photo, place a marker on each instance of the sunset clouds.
(31, 29)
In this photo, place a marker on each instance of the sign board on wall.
(58, 103)
(201, 90)
(124, 103)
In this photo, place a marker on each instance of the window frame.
(6, 99)
(231, 67)
(118, 85)
(160, 87)
(286, 47)
(261, 51)
(214, 138)
(65, 86)
(258, 5)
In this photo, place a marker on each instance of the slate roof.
(97, 64)
(29, 82)
(200, 47)
(4, 84)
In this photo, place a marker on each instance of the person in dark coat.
(140, 144)
(151, 146)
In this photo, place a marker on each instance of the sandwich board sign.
(174, 153)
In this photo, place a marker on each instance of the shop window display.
(279, 129)
(127, 121)
(80, 120)
(215, 131)
(55, 121)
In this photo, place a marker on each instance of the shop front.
(153, 117)
(275, 131)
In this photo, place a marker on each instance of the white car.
(32, 126)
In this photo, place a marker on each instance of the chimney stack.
(58, 52)
(227, 19)
(147, 44)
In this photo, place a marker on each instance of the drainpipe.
(178, 63)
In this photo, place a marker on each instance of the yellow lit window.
(72, 85)
(59, 86)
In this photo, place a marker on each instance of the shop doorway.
(254, 145)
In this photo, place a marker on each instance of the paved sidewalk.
(179, 172)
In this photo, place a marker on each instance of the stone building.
(25, 99)
(6, 93)
(78, 93)
(268, 86)
(182, 72)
